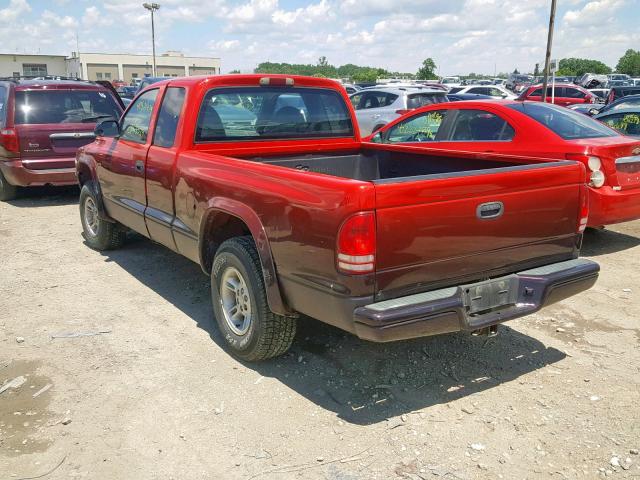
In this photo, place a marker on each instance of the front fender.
(254, 224)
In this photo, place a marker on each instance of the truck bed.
(378, 165)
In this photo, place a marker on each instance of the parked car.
(517, 82)
(539, 129)
(624, 120)
(351, 88)
(127, 91)
(42, 124)
(564, 94)
(586, 108)
(290, 213)
(146, 81)
(628, 101)
(618, 92)
(461, 97)
(592, 80)
(636, 82)
(618, 77)
(118, 83)
(600, 94)
(494, 91)
(450, 81)
(377, 106)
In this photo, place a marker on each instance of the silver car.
(377, 106)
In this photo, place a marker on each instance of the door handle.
(139, 166)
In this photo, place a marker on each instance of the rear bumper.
(608, 206)
(17, 174)
(446, 310)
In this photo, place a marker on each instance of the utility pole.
(152, 7)
(547, 59)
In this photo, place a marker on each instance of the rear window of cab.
(266, 113)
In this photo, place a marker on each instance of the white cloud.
(593, 13)
(14, 10)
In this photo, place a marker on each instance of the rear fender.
(253, 223)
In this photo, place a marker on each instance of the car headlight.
(594, 164)
(597, 179)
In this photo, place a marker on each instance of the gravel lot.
(155, 396)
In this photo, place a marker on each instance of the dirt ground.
(149, 392)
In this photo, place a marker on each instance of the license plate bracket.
(490, 295)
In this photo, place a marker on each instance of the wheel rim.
(91, 216)
(235, 301)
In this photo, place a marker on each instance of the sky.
(462, 36)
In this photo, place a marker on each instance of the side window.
(479, 91)
(421, 128)
(557, 91)
(574, 93)
(135, 124)
(626, 123)
(377, 100)
(3, 105)
(496, 92)
(355, 101)
(480, 125)
(536, 93)
(165, 132)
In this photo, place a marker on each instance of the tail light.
(583, 217)
(356, 249)
(9, 140)
(402, 111)
(594, 164)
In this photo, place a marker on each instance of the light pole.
(152, 7)
(547, 58)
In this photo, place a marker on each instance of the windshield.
(566, 123)
(249, 113)
(64, 106)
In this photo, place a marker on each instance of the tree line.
(629, 63)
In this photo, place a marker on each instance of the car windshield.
(566, 123)
(626, 103)
(417, 100)
(263, 113)
(64, 106)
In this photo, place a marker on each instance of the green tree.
(576, 67)
(629, 63)
(322, 61)
(536, 70)
(234, 71)
(427, 71)
(516, 72)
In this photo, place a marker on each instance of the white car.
(495, 91)
(377, 106)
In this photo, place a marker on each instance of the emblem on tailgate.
(635, 151)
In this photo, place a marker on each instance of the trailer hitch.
(490, 331)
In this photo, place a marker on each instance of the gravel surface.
(124, 376)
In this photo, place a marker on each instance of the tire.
(98, 233)
(7, 191)
(254, 332)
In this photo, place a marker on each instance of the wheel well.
(219, 226)
(84, 174)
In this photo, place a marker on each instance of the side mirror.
(593, 111)
(107, 128)
(377, 138)
(504, 95)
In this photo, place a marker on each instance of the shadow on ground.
(46, 196)
(603, 242)
(362, 382)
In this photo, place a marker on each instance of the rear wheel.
(252, 331)
(7, 191)
(98, 233)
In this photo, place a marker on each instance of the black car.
(619, 92)
(127, 92)
(628, 101)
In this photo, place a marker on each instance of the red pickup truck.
(264, 181)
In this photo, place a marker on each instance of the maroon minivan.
(42, 124)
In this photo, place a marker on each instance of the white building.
(107, 66)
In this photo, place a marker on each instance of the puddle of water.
(23, 417)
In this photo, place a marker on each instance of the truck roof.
(251, 80)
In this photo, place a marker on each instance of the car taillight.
(402, 112)
(594, 164)
(9, 140)
(583, 217)
(356, 248)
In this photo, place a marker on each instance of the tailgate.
(452, 229)
(52, 146)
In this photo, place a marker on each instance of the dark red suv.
(42, 124)
(564, 94)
